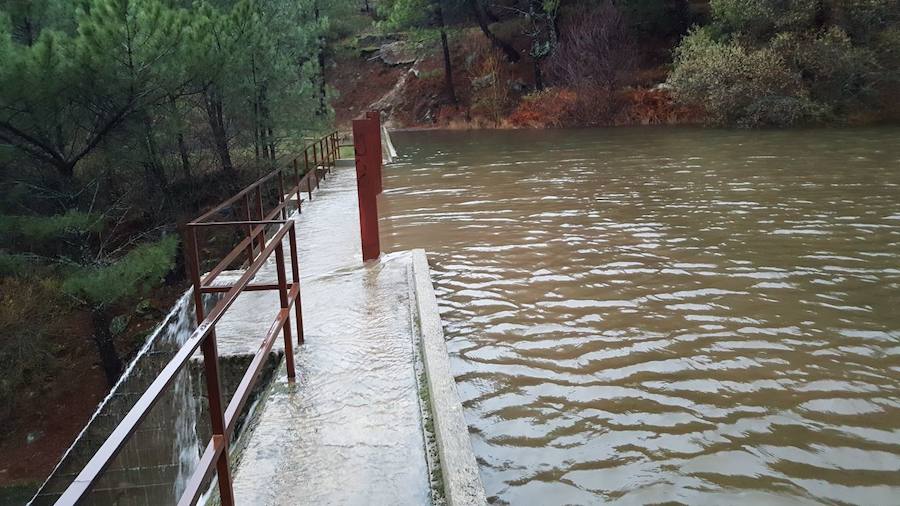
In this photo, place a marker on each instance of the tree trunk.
(448, 67)
(213, 102)
(538, 75)
(511, 54)
(154, 165)
(182, 145)
(106, 347)
(323, 106)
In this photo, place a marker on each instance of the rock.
(397, 53)
(663, 87)
(483, 81)
(518, 86)
(376, 40)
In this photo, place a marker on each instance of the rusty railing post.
(308, 180)
(211, 373)
(296, 191)
(261, 234)
(375, 116)
(364, 137)
(285, 303)
(295, 277)
(281, 195)
(250, 253)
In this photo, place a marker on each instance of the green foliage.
(40, 229)
(405, 14)
(13, 264)
(774, 62)
(838, 74)
(140, 269)
(739, 86)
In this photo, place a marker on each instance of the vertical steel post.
(211, 370)
(296, 191)
(308, 180)
(281, 195)
(261, 235)
(375, 116)
(286, 328)
(365, 136)
(250, 253)
(295, 277)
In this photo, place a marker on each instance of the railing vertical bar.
(308, 180)
(295, 277)
(296, 183)
(211, 373)
(285, 303)
(281, 195)
(261, 233)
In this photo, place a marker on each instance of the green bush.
(140, 269)
(747, 87)
(761, 18)
(837, 74)
(13, 265)
(40, 229)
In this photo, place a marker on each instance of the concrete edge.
(462, 481)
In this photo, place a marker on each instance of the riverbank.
(660, 63)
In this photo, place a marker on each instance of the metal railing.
(260, 243)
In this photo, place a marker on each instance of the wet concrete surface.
(349, 431)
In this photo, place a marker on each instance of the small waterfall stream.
(176, 414)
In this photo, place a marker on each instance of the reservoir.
(666, 315)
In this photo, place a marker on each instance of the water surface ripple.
(639, 316)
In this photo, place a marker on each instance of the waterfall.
(182, 453)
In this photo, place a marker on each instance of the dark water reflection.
(641, 316)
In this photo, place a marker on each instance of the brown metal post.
(286, 328)
(211, 370)
(297, 184)
(295, 277)
(281, 195)
(250, 253)
(378, 155)
(261, 235)
(324, 158)
(365, 136)
(308, 181)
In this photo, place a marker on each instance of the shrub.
(140, 269)
(837, 74)
(761, 18)
(490, 93)
(748, 87)
(595, 49)
(40, 229)
(544, 109)
(26, 357)
(13, 265)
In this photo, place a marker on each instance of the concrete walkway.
(350, 430)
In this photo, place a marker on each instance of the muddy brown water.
(666, 315)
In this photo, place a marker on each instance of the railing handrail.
(223, 421)
(205, 216)
(101, 460)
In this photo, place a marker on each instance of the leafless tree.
(595, 49)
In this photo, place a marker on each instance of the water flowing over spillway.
(641, 315)
(159, 459)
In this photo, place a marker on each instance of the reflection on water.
(641, 315)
